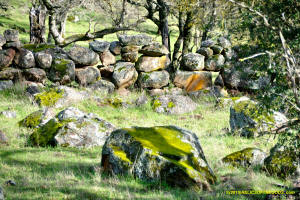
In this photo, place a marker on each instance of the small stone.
(207, 43)
(217, 49)
(62, 71)
(33, 89)
(141, 100)
(129, 49)
(225, 43)
(125, 74)
(103, 86)
(130, 57)
(193, 81)
(6, 58)
(206, 51)
(156, 79)
(155, 50)
(106, 71)
(150, 64)
(10, 74)
(115, 47)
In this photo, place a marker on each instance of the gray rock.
(138, 40)
(208, 43)
(2, 40)
(130, 57)
(125, 74)
(33, 89)
(99, 46)
(141, 100)
(87, 75)
(10, 74)
(6, 85)
(193, 62)
(245, 120)
(6, 58)
(215, 63)
(155, 50)
(73, 128)
(249, 157)
(213, 92)
(25, 59)
(11, 35)
(217, 49)
(44, 60)
(107, 58)
(130, 49)
(229, 54)
(156, 79)
(14, 45)
(150, 64)
(173, 104)
(8, 114)
(158, 153)
(3, 140)
(83, 56)
(225, 43)
(206, 51)
(70, 96)
(219, 81)
(115, 47)
(62, 71)
(35, 75)
(103, 86)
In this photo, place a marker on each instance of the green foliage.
(49, 98)
(32, 120)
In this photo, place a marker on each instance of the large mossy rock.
(124, 74)
(156, 79)
(149, 64)
(72, 128)
(248, 120)
(215, 63)
(62, 71)
(283, 162)
(103, 86)
(32, 120)
(193, 62)
(158, 154)
(83, 56)
(193, 81)
(173, 104)
(248, 157)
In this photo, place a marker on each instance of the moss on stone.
(171, 104)
(61, 65)
(32, 120)
(120, 154)
(38, 47)
(49, 98)
(114, 102)
(155, 104)
(236, 158)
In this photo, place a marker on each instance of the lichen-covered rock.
(3, 141)
(229, 54)
(130, 57)
(138, 40)
(72, 128)
(156, 79)
(49, 98)
(32, 120)
(62, 71)
(87, 75)
(173, 104)
(206, 51)
(83, 56)
(248, 157)
(10, 74)
(15, 45)
(193, 81)
(6, 58)
(225, 43)
(193, 62)
(103, 86)
(248, 120)
(11, 35)
(130, 48)
(150, 64)
(124, 75)
(217, 49)
(158, 153)
(4, 85)
(115, 47)
(154, 50)
(99, 46)
(208, 43)
(46, 48)
(2, 41)
(215, 63)
(43, 60)
(283, 162)
(106, 71)
(24, 59)
(212, 92)
(35, 75)
(70, 96)
(107, 58)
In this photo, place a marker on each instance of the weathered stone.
(3, 140)
(208, 43)
(73, 128)
(35, 75)
(83, 56)
(225, 43)
(156, 79)
(219, 81)
(217, 49)
(6, 85)
(206, 51)
(8, 114)
(106, 71)
(2, 41)
(215, 63)
(10, 74)
(11, 35)
(32, 120)
(249, 157)
(107, 58)
(24, 59)
(173, 104)
(103, 86)
(44, 60)
(130, 57)
(87, 75)
(70, 96)
(149, 64)
(157, 92)
(245, 120)
(141, 100)
(193, 81)
(33, 89)
(15, 45)
(213, 92)
(138, 40)
(62, 71)
(229, 54)
(129, 49)
(155, 50)
(99, 46)
(6, 58)
(193, 62)
(115, 47)
(158, 153)
(54, 51)
(124, 75)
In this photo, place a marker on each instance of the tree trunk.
(37, 18)
(188, 32)
(164, 25)
(178, 43)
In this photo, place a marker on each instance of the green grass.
(69, 173)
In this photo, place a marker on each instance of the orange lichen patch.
(192, 81)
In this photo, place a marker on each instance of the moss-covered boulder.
(193, 62)
(150, 64)
(248, 120)
(156, 79)
(49, 98)
(83, 56)
(154, 50)
(248, 157)
(10, 74)
(124, 74)
(24, 59)
(283, 162)
(173, 104)
(32, 120)
(72, 128)
(62, 71)
(87, 75)
(168, 154)
(215, 63)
